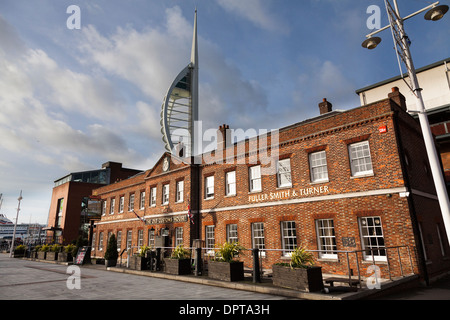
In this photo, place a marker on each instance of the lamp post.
(11, 249)
(401, 41)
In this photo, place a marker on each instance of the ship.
(4, 220)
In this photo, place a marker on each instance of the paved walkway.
(33, 280)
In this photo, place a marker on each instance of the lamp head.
(371, 43)
(436, 13)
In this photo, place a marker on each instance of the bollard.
(256, 271)
(158, 259)
(198, 261)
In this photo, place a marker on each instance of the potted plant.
(225, 266)
(111, 253)
(179, 262)
(52, 253)
(66, 254)
(139, 261)
(19, 251)
(42, 253)
(300, 273)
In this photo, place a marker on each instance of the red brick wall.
(342, 198)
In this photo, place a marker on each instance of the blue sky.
(72, 99)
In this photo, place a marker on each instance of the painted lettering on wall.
(288, 194)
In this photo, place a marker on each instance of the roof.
(379, 84)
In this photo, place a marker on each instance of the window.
(232, 234)
(425, 255)
(100, 241)
(360, 159)
(230, 181)
(131, 202)
(255, 178)
(372, 238)
(151, 238)
(284, 173)
(209, 239)
(103, 207)
(326, 239)
(165, 199)
(178, 236)
(119, 240)
(288, 237)
(142, 200)
(93, 240)
(140, 238)
(441, 243)
(129, 238)
(112, 205)
(318, 166)
(153, 197)
(258, 237)
(121, 203)
(209, 187)
(59, 212)
(180, 191)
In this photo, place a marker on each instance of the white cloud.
(256, 12)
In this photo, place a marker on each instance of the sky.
(72, 99)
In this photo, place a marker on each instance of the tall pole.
(433, 157)
(11, 249)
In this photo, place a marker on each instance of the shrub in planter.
(66, 254)
(52, 254)
(225, 266)
(300, 273)
(19, 251)
(42, 253)
(111, 253)
(139, 260)
(179, 262)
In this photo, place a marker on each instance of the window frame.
(179, 194)
(252, 178)
(353, 166)
(131, 199)
(165, 196)
(324, 246)
(289, 172)
(142, 200)
(228, 190)
(365, 245)
(210, 242)
(209, 187)
(232, 233)
(313, 168)
(258, 227)
(152, 202)
(286, 229)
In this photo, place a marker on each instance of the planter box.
(177, 266)
(65, 257)
(226, 271)
(41, 255)
(52, 256)
(138, 263)
(309, 279)
(110, 263)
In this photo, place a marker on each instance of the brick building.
(353, 186)
(66, 218)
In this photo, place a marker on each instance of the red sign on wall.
(382, 129)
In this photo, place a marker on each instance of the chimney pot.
(325, 106)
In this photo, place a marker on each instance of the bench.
(351, 282)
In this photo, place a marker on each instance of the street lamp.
(402, 43)
(11, 249)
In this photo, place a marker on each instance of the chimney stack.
(398, 98)
(223, 137)
(325, 106)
